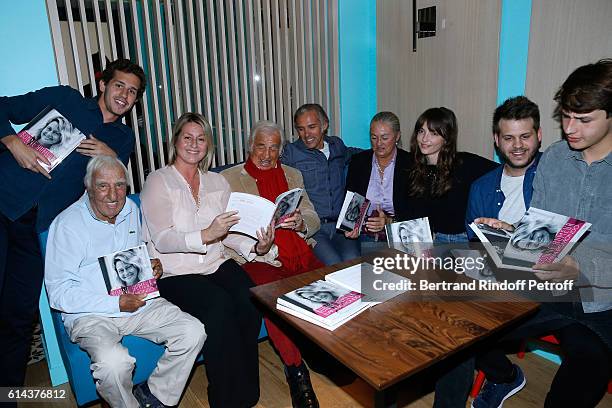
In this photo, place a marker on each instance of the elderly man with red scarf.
(263, 175)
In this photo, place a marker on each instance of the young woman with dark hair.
(440, 179)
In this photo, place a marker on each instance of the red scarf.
(295, 255)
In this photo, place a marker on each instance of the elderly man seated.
(101, 222)
(263, 175)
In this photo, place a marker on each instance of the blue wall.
(28, 62)
(357, 58)
(513, 48)
(28, 65)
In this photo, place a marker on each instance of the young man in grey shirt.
(573, 179)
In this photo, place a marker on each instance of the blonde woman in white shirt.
(187, 229)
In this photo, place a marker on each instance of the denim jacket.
(324, 178)
(487, 198)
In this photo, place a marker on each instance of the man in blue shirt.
(100, 223)
(505, 193)
(31, 197)
(322, 160)
(573, 179)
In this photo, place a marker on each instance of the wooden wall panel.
(565, 34)
(457, 68)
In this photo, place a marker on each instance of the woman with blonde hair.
(187, 229)
(128, 267)
(378, 174)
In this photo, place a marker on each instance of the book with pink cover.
(539, 237)
(353, 212)
(129, 272)
(323, 303)
(52, 135)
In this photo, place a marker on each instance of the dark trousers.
(586, 366)
(455, 379)
(582, 377)
(288, 351)
(21, 275)
(222, 302)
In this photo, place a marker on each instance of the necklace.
(381, 171)
(196, 197)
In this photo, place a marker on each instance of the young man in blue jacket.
(505, 193)
(322, 160)
(31, 197)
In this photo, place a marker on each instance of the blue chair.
(69, 363)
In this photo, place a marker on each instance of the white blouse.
(172, 222)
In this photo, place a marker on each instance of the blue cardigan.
(486, 197)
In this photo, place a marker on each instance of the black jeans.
(222, 302)
(582, 378)
(454, 383)
(21, 275)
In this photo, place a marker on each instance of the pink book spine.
(147, 286)
(117, 292)
(338, 304)
(562, 239)
(284, 217)
(30, 141)
(362, 211)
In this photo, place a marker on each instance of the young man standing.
(505, 193)
(31, 198)
(573, 179)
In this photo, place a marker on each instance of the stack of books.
(332, 302)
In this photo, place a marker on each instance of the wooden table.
(396, 339)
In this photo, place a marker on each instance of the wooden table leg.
(385, 398)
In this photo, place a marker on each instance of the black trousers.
(21, 275)
(582, 377)
(580, 381)
(222, 302)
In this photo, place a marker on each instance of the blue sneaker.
(493, 395)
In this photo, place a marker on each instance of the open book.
(332, 302)
(256, 212)
(540, 237)
(52, 135)
(353, 212)
(129, 271)
(412, 237)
